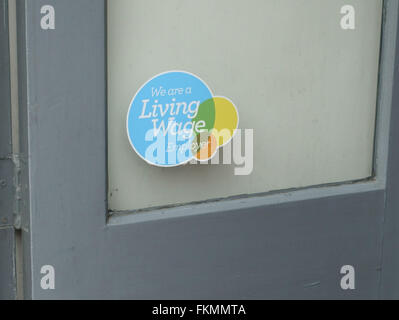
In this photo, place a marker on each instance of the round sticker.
(175, 118)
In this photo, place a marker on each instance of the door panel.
(286, 245)
(265, 253)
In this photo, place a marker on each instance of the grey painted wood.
(6, 193)
(5, 115)
(290, 250)
(259, 249)
(7, 264)
(6, 166)
(24, 150)
(7, 236)
(390, 275)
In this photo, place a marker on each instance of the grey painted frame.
(6, 166)
(285, 245)
(7, 235)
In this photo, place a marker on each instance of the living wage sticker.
(175, 118)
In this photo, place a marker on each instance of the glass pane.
(306, 86)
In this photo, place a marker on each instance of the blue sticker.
(169, 117)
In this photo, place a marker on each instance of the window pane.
(307, 88)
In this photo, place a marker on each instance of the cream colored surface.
(307, 88)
